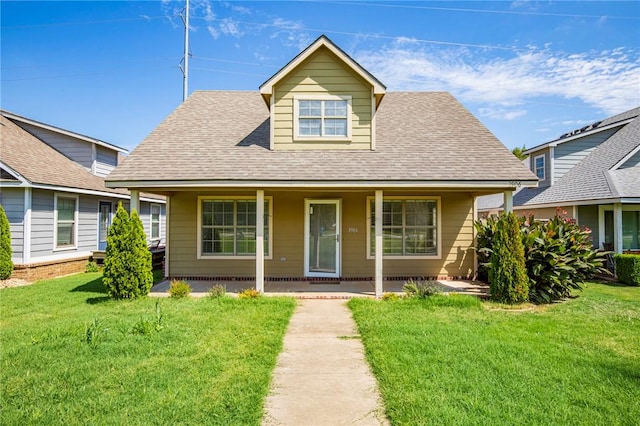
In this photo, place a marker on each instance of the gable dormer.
(322, 99)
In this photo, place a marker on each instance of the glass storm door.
(322, 238)
(104, 221)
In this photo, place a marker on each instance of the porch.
(321, 289)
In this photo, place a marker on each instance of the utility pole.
(184, 66)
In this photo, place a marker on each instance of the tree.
(507, 275)
(127, 263)
(519, 152)
(6, 264)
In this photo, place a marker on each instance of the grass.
(70, 355)
(457, 360)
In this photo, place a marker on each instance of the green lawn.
(209, 362)
(453, 360)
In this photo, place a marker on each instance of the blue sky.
(529, 70)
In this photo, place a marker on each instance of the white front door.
(322, 238)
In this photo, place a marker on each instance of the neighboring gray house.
(52, 189)
(592, 174)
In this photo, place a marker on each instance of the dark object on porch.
(157, 249)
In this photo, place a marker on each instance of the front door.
(322, 238)
(104, 221)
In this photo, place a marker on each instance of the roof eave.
(387, 184)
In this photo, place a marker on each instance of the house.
(53, 191)
(320, 175)
(591, 175)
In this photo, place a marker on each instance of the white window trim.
(57, 195)
(544, 167)
(316, 97)
(159, 237)
(201, 256)
(436, 256)
(609, 207)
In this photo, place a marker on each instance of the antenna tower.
(184, 63)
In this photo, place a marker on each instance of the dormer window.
(539, 166)
(322, 117)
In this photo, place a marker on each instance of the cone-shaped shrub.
(140, 257)
(127, 263)
(507, 275)
(6, 264)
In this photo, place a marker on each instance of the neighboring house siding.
(41, 224)
(106, 161)
(547, 166)
(74, 149)
(568, 154)
(288, 238)
(12, 200)
(88, 223)
(634, 161)
(322, 74)
(145, 217)
(588, 217)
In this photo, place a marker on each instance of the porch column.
(26, 228)
(617, 228)
(260, 240)
(167, 210)
(508, 201)
(378, 250)
(134, 204)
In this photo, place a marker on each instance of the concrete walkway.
(321, 377)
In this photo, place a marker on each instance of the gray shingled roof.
(592, 178)
(225, 136)
(41, 164)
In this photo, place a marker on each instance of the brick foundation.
(44, 270)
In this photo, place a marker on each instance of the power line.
(455, 9)
(77, 75)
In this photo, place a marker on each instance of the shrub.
(559, 257)
(249, 293)
(507, 274)
(628, 268)
(91, 267)
(390, 297)
(127, 263)
(420, 289)
(6, 264)
(179, 289)
(217, 291)
(485, 230)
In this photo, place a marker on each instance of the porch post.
(508, 201)
(260, 240)
(167, 219)
(617, 228)
(26, 227)
(134, 204)
(378, 250)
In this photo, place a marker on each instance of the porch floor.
(313, 290)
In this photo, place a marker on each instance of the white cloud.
(502, 113)
(607, 80)
(213, 32)
(229, 27)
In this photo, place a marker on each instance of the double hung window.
(66, 208)
(155, 221)
(323, 118)
(539, 166)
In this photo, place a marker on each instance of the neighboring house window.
(409, 227)
(631, 230)
(155, 221)
(228, 227)
(539, 166)
(66, 217)
(323, 117)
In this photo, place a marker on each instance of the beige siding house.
(321, 175)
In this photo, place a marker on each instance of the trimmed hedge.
(628, 268)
